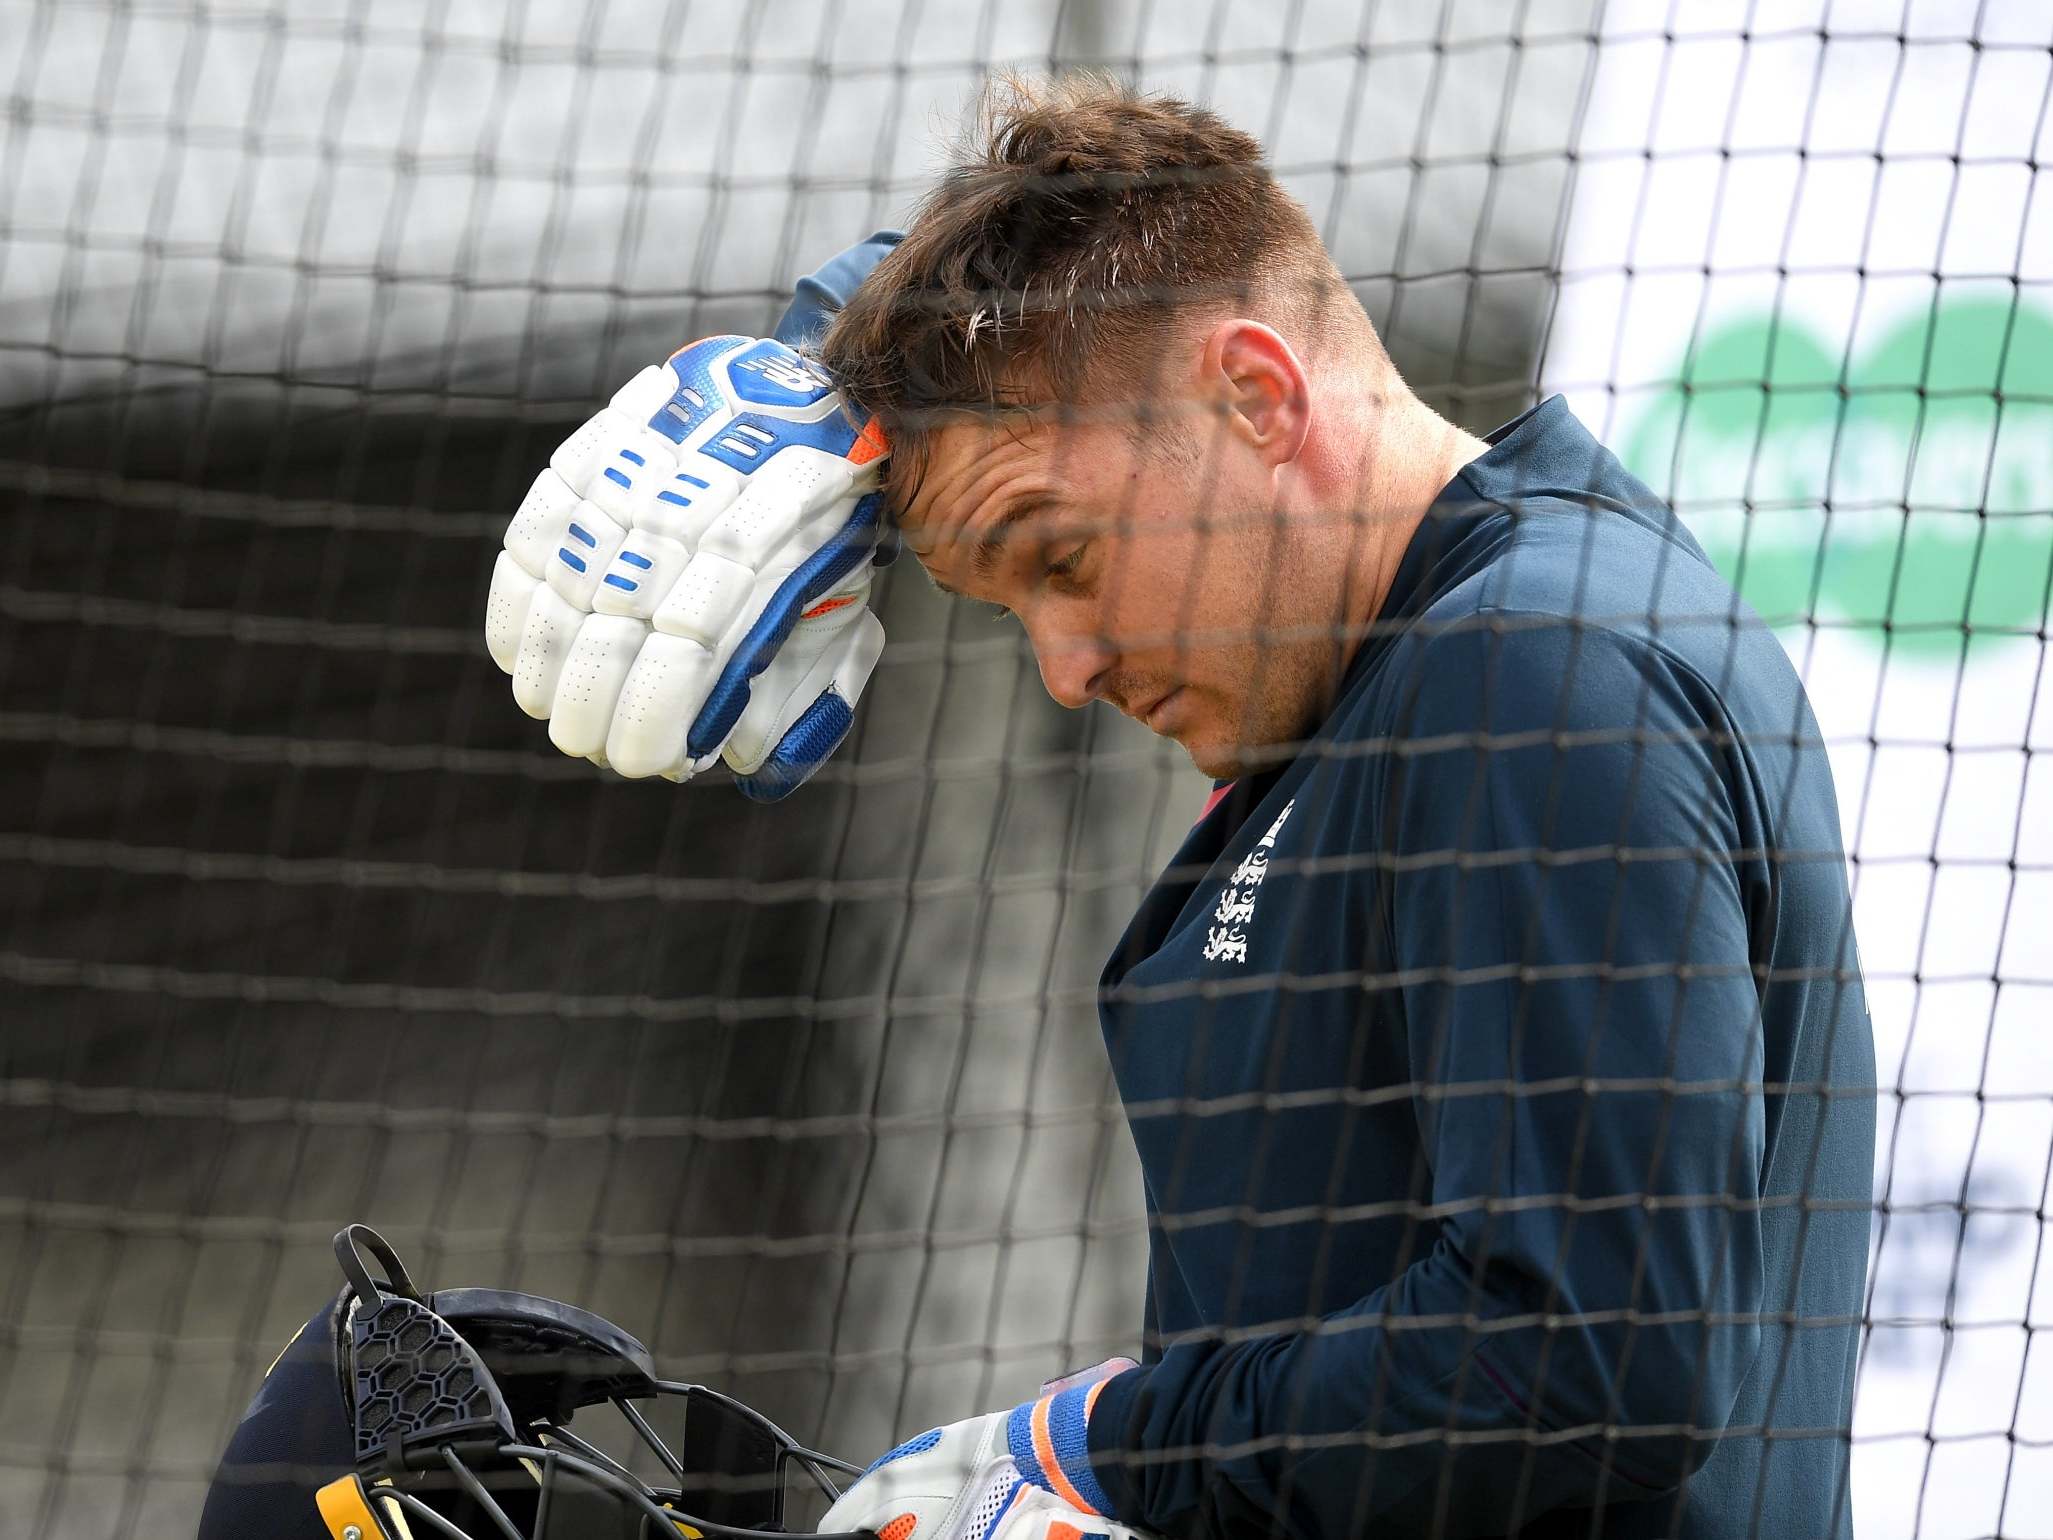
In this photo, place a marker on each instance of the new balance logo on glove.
(793, 375)
(688, 579)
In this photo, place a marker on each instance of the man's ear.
(1264, 396)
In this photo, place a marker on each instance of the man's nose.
(1074, 662)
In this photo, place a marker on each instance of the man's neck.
(1410, 455)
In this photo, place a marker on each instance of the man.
(1494, 1047)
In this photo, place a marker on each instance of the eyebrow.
(983, 560)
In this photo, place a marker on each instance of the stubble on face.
(1192, 593)
(1268, 679)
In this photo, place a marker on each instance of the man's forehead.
(970, 472)
(970, 468)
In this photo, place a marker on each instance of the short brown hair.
(1077, 218)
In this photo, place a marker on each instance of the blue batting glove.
(688, 580)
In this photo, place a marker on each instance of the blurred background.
(305, 923)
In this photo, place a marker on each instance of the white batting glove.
(689, 578)
(1022, 1474)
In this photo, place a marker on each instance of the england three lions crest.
(1226, 937)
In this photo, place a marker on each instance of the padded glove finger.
(539, 528)
(591, 539)
(545, 642)
(541, 523)
(647, 737)
(588, 690)
(506, 612)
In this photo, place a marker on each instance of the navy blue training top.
(1499, 1067)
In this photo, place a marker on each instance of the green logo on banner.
(1920, 498)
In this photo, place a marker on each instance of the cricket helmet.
(400, 1415)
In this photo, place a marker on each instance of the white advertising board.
(1808, 295)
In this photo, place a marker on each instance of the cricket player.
(1494, 1047)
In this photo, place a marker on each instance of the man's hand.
(689, 578)
(1018, 1475)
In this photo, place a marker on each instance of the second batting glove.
(1018, 1475)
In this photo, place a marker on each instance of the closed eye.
(1063, 567)
(1067, 573)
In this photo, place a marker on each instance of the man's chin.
(1229, 744)
(1231, 761)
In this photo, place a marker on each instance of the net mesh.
(306, 924)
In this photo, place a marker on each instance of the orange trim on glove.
(869, 445)
(1051, 1464)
